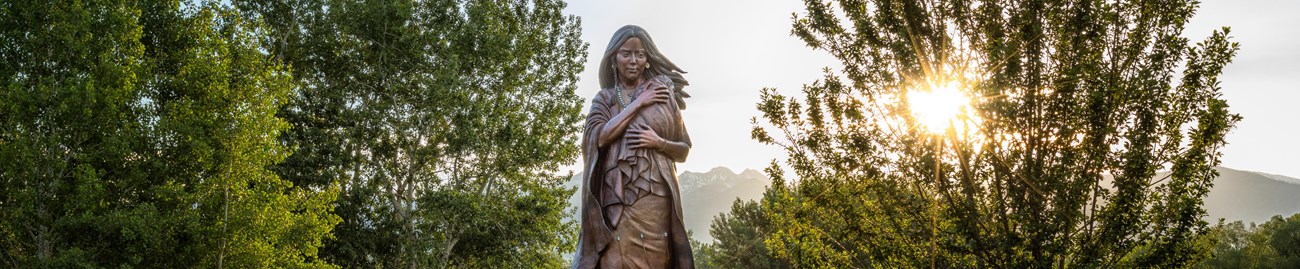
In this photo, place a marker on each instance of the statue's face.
(631, 59)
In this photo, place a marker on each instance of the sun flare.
(941, 107)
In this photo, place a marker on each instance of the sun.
(940, 107)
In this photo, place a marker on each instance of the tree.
(739, 237)
(139, 135)
(1272, 244)
(445, 122)
(1072, 108)
(1286, 240)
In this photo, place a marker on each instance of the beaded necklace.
(618, 88)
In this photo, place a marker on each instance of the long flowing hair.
(659, 65)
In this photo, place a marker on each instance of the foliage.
(739, 239)
(444, 122)
(138, 135)
(1075, 107)
(1273, 244)
(703, 252)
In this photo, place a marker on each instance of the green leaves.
(443, 122)
(139, 135)
(1272, 244)
(1077, 108)
(739, 237)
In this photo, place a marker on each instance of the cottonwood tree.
(1003, 134)
(138, 134)
(739, 237)
(444, 122)
(1272, 244)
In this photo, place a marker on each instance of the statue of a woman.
(634, 136)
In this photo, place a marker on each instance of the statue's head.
(631, 53)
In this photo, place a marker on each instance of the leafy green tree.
(1239, 246)
(1272, 244)
(139, 135)
(444, 122)
(739, 239)
(703, 252)
(1073, 108)
(65, 119)
(1286, 240)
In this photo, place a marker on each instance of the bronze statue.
(631, 214)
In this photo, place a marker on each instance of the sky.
(731, 49)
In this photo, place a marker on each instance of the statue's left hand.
(644, 137)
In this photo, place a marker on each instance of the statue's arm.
(615, 127)
(678, 149)
(675, 149)
(645, 137)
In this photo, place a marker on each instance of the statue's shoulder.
(603, 94)
(663, 80)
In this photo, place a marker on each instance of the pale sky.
(731, 49)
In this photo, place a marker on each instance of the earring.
(647, 65)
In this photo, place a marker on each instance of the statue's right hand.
(658, 95)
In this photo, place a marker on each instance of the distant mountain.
(1251, 196)
(704, 195)
(1280, 178)
(1236, 195)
